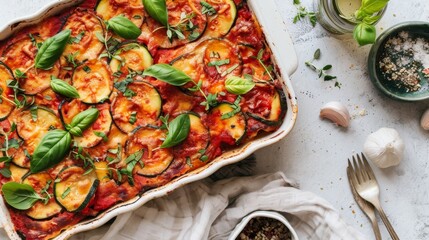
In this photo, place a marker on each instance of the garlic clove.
(337, 113)
(424, 121)
(384, 148)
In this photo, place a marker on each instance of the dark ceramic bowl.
(420, 29)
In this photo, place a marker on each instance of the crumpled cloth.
(211, 209)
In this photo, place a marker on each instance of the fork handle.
(387, 223)
(376, 229)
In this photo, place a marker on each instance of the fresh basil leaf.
(124, 27)
(178, 131)
(5, 172)
(63, 88)
(168, 74)
(364, 34)
(157, 9)
(51, 150)
(238, 86)
(20, 196)
(82, 121)
(371, 20)
(51, 50)
(5, 158)
(373, 6)
(76, 132)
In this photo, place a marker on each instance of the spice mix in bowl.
(264, 225)
(398, 62)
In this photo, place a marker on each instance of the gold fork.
(365, 206)
(366, 185)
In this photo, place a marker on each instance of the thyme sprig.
(302, 13)
(322, 72)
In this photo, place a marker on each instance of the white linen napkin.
(211, 209)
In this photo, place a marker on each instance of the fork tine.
(357, 171)
(362, 168)
(368, 168)
(352, 176)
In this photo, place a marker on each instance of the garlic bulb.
(424, 122)
(384, 148)
(337, 113)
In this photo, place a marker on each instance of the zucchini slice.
(141, 109)
(191, 64)
(48, 99)
(102, 171)
(93, 81)
(131, 9)
(33, 130)
(92, 135)
(116, 141)
(5, 106)
(131, 56)
(272, 115)
(197, 140)
(177, 102)
(221, 60)
(74, 190)
(155, 159)
(84, 26)
(19, 156)
(156, 34)
(20, 56)
(220, 23)
(40, 210)
(230, 130)
(17, 173)
(28, 128)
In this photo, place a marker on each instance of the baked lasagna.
(112, 98)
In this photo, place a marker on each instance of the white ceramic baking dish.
(284, 56)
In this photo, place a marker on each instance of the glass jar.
(335, 15)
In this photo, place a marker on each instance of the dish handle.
(276, 32)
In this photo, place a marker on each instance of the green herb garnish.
(63, 88)
(364, 32)
(238, 86)
(66, 193)
(303, 13)
(322, 72)
(178, 130)
(51, 50)
(175, 77)
(123, 27)
(20, 196)
(133, 118)
(207, 8)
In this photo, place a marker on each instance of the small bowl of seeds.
(398, 62)
(264, 225)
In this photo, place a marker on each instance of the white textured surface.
(316, 152)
